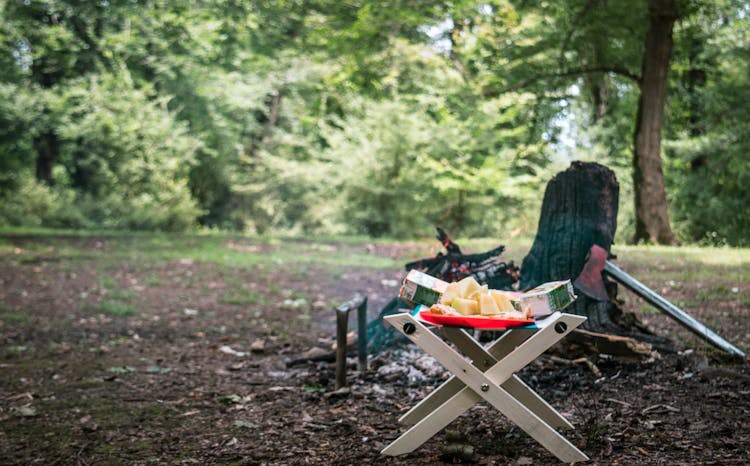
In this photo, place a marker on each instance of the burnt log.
(579, 209)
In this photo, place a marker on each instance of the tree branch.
(564, 74)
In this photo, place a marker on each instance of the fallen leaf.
(230, 399)
(343, 391)
(258, 346)
(26, 411)
(245, 424)
(281, 389)
(158, 370)
(121, 369)
(228, 350)
(87, 425)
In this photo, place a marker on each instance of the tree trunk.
(600, 96)
(579, 210)
(652, 219)
(47, 147)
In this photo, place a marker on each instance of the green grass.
(713, 293)
(10, 316)
(705, 256)
(243, 297)
(153, 280)
(116, 308)
(107, 282)
(121, 295)
(238, 251)
(215, 248)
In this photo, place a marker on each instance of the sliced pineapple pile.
(469, 298)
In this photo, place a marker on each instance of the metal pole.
(673, 311)
(362, 335)
(342, 324)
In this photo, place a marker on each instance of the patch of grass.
(10, 316)
(720, 292)
(219, 248)
(105, 449)
(648, 309)
(121, 295)
(86, 383)
(116, 308)
(242, 296)
(107, 282)
(299, 294)
(14, 317)
(6, 247)
(153, 280)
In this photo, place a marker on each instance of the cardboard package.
(420, 288)
(547, 298)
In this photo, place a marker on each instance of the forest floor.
(148, 349)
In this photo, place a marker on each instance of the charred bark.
(579, 210)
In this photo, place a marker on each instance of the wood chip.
(623, 403)
(660, 408)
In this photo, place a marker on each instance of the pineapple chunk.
(503, 301)
(487, 305)
(467, 287)
(465, 306)
(451, 291)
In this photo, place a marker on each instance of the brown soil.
(191, 369)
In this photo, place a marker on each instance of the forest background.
(382, 118)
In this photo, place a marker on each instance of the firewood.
(614, 345)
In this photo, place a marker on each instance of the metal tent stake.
(342, 326)
(673, 311)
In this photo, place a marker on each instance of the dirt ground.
(185, 362)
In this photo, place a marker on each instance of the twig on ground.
(583, 360)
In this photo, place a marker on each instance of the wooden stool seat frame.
(488, 375)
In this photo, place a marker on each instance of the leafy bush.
(33, 204)
(400, 172)
(15, 140)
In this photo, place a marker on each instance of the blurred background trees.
(378, 118)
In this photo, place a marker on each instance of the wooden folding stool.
(489, 376)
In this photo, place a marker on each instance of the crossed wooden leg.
(490, 376)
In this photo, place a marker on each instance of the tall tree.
(652, 218)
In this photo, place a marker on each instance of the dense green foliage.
(382, 118)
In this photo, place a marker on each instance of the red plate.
(487, 323)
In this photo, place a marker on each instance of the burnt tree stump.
(579, 210)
